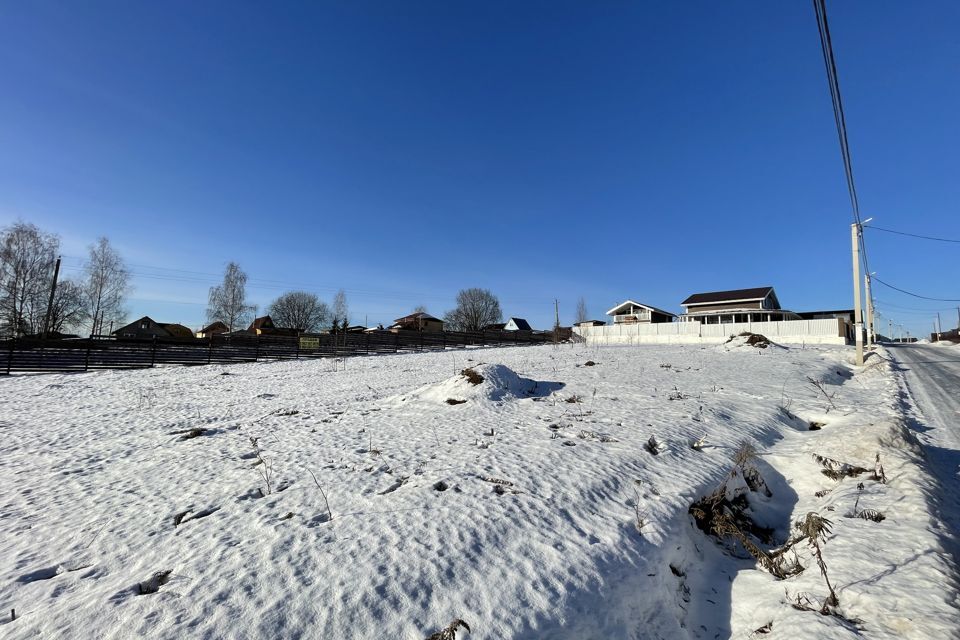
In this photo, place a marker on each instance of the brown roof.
(263, 322)
(420, 315)
(757, 293)
(215, 327)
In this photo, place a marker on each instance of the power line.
(915, 295)
(912, 235)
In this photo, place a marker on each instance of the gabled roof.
(413, 317)
(215, 326)
(613, 312)
(521, 324)
(734, 295)
(263, 322)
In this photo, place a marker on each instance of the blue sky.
(405, 150)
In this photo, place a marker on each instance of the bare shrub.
(815, 528)
(450, 632)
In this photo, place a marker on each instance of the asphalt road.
(933, 378)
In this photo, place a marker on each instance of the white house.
(632, 312)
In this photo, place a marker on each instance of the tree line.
(29, 303)
(34, 301)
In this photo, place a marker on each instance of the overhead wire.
(912, 235)
(915, 295)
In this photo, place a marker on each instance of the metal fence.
(105, 352)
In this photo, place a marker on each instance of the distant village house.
(517, 324)
(759, 304)
(146, 327)
(419, 321)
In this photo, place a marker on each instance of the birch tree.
(106, 283)
(27, 257)
(341, 312)
(227, 302)
(582, 315)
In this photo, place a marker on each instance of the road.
(933, 377)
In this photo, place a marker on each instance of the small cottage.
(517, 324)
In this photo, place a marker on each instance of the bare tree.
(420, 308)
(105, 287)
(67, 312)
(227, 302)
(476, 308)
(27, 256)
(582, 315)
(341, 312)
(299, 310)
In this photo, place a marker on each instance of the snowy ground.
(515, 510)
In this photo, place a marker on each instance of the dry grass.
(472, 376)
(450, 631)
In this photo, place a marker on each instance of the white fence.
(828, 331)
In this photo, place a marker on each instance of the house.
(212, 329)
(419, 321)
(496, 326)
(264, 326)
(261, 325)
(632, 312)
(590, 323)
(147, 327)
(517, 324)
(759, 304)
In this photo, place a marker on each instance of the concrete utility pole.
(53, 290)
(870, 335)
(857, 312)
(939, 328)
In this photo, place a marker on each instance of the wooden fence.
(104, 352)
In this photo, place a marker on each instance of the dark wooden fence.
(103, 352)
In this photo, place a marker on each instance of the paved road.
(933, 377)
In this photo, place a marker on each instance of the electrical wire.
(910, 293)
(833, 80)
(912, 235)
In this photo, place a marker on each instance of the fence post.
(153, 352)
(209, 349)
(396, 343)
(298, 345)
(256, 357)
(86, 359)
(13, 341)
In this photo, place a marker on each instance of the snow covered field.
(136, 504)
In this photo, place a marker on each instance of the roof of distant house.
(215, 326)
(262, 322)
(419, 315)
(522, 325)
(733, 295)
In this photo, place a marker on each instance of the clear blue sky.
(405, 150)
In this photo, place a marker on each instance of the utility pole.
(556, 322)
(857, 311)
(53, 290)
(890, 330)
(870, 335)
(939, 328)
